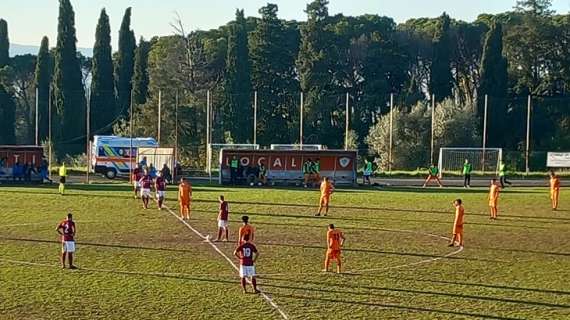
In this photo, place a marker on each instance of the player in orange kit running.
(185, 198)
(335, 241)
(494, 191)
(327, 189)
(245, 230)
(458, 223)
(554, 190)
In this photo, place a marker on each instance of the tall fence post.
(527, 153)
(255, 117)
(175, 137)
(347, 122)
(88, 133)
(432, 129)
(301, 121)
(390, 135)
(49, 134)
(159, 115)
(484, 133)
(131, 153)
(37, 117)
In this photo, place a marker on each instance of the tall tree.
(494, 83)
(140, 76)
(441, 79)
(535, 7)
(69, 93)
(43, 76)
(124, 66)
(102, 107)
(7, 117)
(237, 87)
(314, 64)
(4, 44)
(273, 47)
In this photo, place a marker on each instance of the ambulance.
(113, 157)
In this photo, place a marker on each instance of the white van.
(111, 155)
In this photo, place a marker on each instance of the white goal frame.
(479, 162)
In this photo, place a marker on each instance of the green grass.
(137, 264)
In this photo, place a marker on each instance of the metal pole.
(131, 153)
(88, 131)
(432, 121)
(49, 133)
(528, 134)
(346, 125)
(484, 133)
(159, 114)
(37, 117)
(207, 129)
(301, 122)
(391, 126)
(175, 138)
(255, 117)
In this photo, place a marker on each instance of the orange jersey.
(554, 183)
(184, 192)
(334, 239)
(494, 192)
(326, 189)
(246, 230)
(459, 216)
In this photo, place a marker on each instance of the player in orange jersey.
(245, 230)
(335, 241)
(327, 189)
(185, 198)
(458, 223)
(494, 191)
(554, 190)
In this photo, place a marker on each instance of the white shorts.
(160, 194)
(68, 246)
(145, 192)
(246, 271)
(222, 223)
(136, 184)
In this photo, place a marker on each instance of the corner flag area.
(396, 264)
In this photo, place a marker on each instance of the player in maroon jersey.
(66, 229)
(223, 215)
(160, 187)
(146, 184)
(247, 255)
(137, 175)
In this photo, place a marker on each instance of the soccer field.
(146, 264)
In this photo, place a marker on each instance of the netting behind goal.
(487, 160)
(213, 154)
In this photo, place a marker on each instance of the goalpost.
(213, 153)
(486, 160)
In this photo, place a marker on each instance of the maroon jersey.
(224, 211)
(245, 252)
(68, 228)
(160, 184)
(146, 181)
(137, 174)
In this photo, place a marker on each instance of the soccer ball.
(251, 184)
(259, 184)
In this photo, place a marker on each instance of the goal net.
(486, 160)
(213, 153)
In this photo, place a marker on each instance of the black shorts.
(61, 179)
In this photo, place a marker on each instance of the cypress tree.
(4, 44)
(140, 76)
(69, 94)
(124, 65)
(102, 108)
(43, 76)
(7, 117)
(238, 115)
(441, 79)
(494, 83)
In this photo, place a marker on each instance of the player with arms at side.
(245, 230)
(223, 216)
(494, 191)
(433, 174)
(146, 184)
(554, 190)
(458, 223)
(327, 189)
(137, 175)
(160, 187)
(247, 254)
(67, 230)
(335, 241)
(185, 198)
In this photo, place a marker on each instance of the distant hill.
(18, 49)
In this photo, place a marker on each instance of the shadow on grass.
(391, 306)
(492, 286)
(344, 286)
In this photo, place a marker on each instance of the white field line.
(230, 261)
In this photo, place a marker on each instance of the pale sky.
(29, 20)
